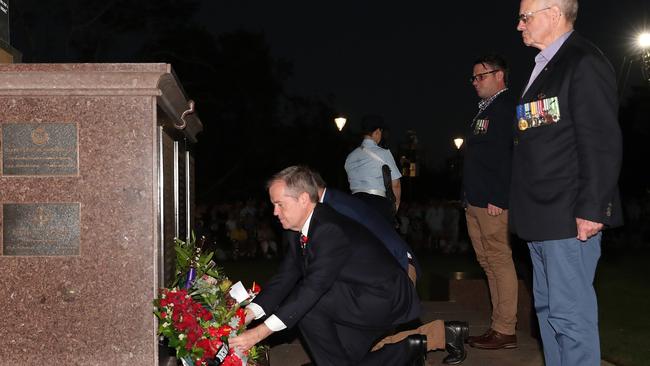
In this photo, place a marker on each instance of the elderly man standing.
(338, 283)
(566, 163)
(486, 186)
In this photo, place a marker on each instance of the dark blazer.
(569, 169)
(347, 271)
(488, 154)
(358, 211)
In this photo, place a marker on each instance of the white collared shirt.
(273, 322)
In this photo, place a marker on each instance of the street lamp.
(458, 141)
(340, 122)
(643, 42)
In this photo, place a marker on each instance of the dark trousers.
(332, 343)
(380, 204)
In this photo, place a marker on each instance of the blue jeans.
(565, 300)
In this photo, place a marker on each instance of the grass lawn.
(622, 284)
(623, 288)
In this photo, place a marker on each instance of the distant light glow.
(340, 122)
(643, 40)
(458, 142)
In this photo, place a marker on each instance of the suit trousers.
(565, 299)
(334, 343)
(380, 204)
(434, 330)
(490, 239)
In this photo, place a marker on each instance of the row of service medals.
(538, 113)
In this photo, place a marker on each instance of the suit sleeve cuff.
(257, 310)
(274, 323)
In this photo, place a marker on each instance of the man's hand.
(587, 229)
(494, 210)
(249, 338)
(250, 316)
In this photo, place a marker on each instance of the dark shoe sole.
(502, 346)
(458, 362)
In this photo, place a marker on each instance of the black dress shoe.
(417, 349)
(455, 334)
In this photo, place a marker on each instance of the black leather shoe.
(417, 349)
(455, 334)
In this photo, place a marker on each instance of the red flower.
(208, 350)
(212, 331)
(216, 343)
(205, 314)
(186, 322)
(303, 241)
(224, 330)
(256, 288)
(241, 313)
(231, 360)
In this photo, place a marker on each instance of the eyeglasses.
(481, 76)
(525, 17)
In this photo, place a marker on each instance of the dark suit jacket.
(358, 211)
(346, 271)
(487, 168)
(569, 169)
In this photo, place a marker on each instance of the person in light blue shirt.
(364, 169)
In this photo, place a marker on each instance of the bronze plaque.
(40, 229)
(40, 149)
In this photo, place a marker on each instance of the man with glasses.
(566, 163)
(486, 182)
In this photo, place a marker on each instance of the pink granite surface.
(95, 308)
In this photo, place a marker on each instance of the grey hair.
(568, 7)
(298, 179)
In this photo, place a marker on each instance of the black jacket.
(347, 271)
(569, 169)
(367, 216)
(488, 154)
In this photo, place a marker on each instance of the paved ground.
(528, 353)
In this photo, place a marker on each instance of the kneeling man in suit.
(338, 283)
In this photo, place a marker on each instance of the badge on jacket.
(538, 113)
(481, 126)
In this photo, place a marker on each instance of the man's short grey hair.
(299, 179)
(568, 7)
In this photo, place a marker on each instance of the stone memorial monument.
(96, 179)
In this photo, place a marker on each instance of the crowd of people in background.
(239, 229)
(247, 229)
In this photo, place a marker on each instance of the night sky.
(410, 61)
(406, 61)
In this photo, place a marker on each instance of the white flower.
(234, 322)
(166, 324)
(181, 336)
